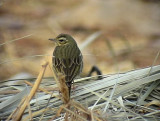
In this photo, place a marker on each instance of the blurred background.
(129, 39)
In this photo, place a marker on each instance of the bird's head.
(63, 39)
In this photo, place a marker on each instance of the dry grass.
(120, 36)
(115, 97)
(132, 95)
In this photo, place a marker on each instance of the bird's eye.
(61, 40)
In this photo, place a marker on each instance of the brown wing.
(69, 67)
(68, 64)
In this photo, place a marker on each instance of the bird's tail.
(69, 89)
(69, 85)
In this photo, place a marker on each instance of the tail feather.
(69, 89)
(69, 85)
(69, 80)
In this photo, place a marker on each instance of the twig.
(32, 93)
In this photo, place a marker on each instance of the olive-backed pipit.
(67, 58)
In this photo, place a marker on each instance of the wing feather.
(69, 67)
(69, 64)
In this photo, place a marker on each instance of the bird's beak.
(52, 39)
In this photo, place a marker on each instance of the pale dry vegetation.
(116, 36)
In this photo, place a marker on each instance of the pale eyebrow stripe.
(62, 38)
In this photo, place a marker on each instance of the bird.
(67, 58)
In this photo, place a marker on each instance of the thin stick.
(33, 91)
(40, 88)
(29, 110)
(63, 89)
(15, 39)
(14, 112)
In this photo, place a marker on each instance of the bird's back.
(68, 61)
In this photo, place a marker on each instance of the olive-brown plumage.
(67, 58)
